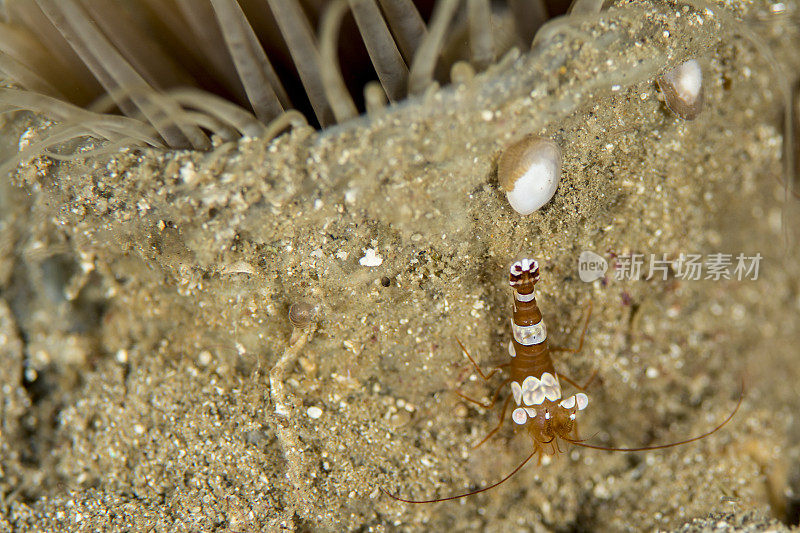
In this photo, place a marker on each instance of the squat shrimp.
(540, 407)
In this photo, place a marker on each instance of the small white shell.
(529, 171)
(302, 314)
(683, 89)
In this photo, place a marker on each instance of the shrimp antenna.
(662, 446)
(484, 489)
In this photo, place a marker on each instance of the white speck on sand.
(371, 258)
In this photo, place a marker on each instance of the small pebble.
(204, 358)
(308, 366)
(314, 412)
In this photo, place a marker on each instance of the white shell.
(529, 171)
(683, 89)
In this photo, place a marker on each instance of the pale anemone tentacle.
(374, 98)
(424, 62)
(296, 30)
(187, 107)
(332, 81)
(286, 120)
(114, 71)
(386, 58)
(202, 40)
(256, 72)
(15, 68)
(213, 105)
(406, 24)
(479, 14)
(101, 125)
(134, 42)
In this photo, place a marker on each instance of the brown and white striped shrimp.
(540, 407)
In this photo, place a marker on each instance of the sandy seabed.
(144, 299)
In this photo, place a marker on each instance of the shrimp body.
(534, 381)
(539, 406)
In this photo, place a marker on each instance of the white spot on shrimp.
(568, 403)
(582, 400)
(516, 390)
(534, 390)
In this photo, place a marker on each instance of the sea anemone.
(175, 73)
